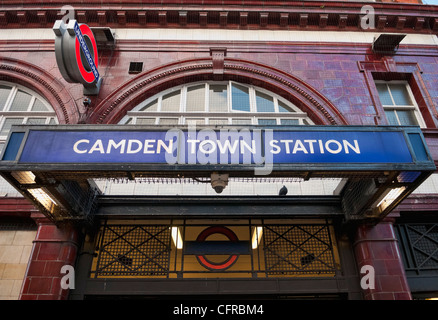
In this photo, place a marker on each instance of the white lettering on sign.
(308, 146)
(132, 146)
(208, 146)
(152, 146)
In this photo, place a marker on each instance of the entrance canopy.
(55, 166)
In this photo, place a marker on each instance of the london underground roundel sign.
(229, 261)
(76, 55)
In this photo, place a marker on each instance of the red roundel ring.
(214, 266)
(88, 76)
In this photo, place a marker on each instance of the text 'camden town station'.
(224, 146)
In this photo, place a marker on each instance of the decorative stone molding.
(115, 106)
(313, 98)
(218, 56)
(312, 15)
(51, 89)
(387, 68)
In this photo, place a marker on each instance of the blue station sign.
(215, 147)
(281, 147)
(379, 166)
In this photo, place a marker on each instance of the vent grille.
(135, 67)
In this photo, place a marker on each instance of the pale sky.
(435, 2)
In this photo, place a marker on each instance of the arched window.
(216, 103)
(20, 105)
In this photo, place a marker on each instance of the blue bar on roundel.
(216, 247)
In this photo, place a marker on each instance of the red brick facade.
(53, 248)
(377, 246)
(332, 82)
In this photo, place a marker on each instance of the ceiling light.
(176, 237)
(42, 197)
(256, 236)
(390, 197)
(24, 177)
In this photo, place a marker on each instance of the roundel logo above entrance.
(226, 263)
(76, 55)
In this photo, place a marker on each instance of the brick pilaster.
(53, 248)
(377, 246)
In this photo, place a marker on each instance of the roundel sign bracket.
(77, 56)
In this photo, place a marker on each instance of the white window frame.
(414, 106)
(27, 114)
(228, 115)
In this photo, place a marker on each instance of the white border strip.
(228, 35)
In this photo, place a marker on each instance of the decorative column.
(53, 247)
(376, 249)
